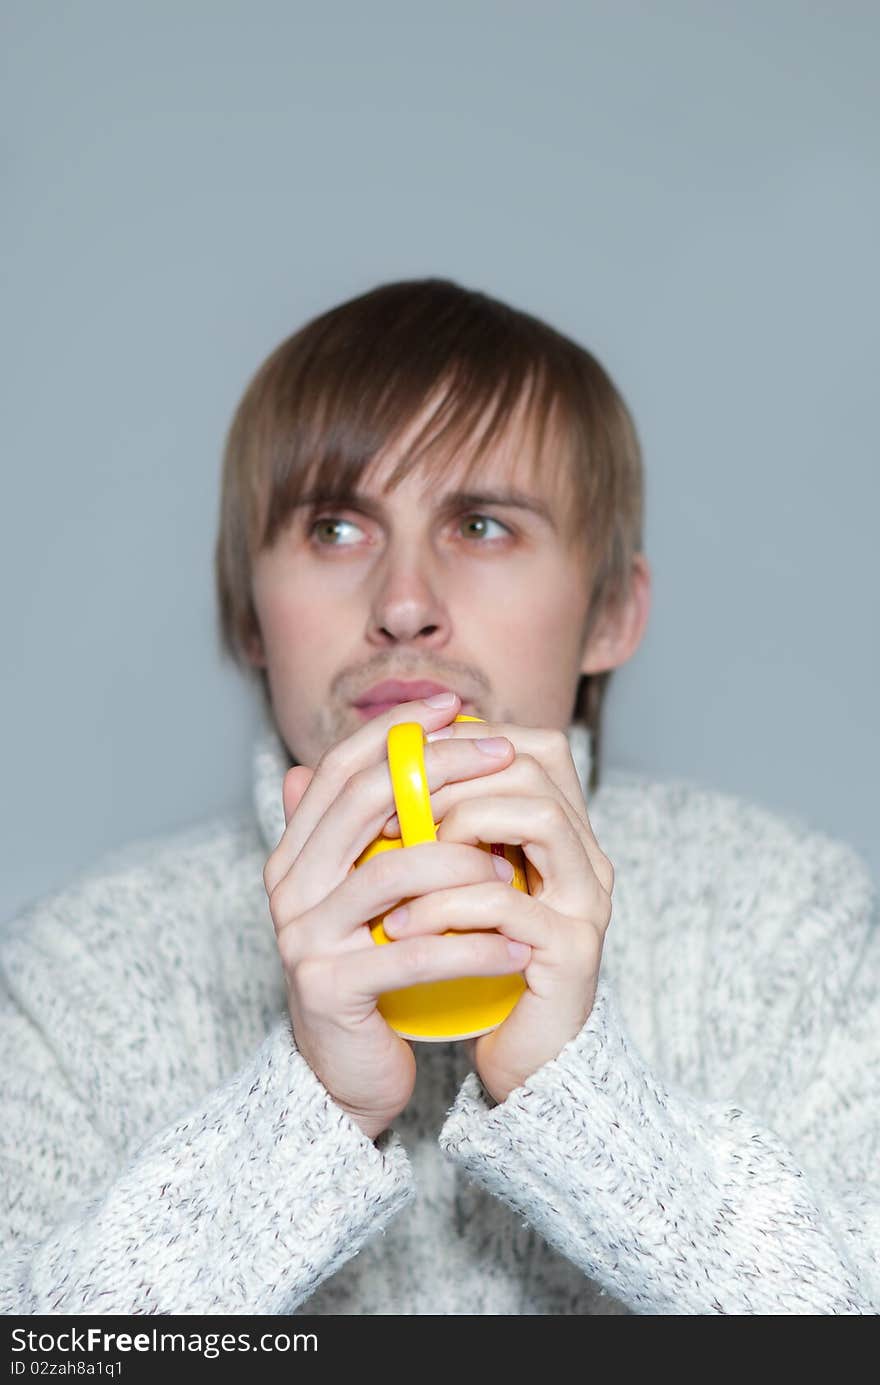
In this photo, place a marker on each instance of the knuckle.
(333, 763)
(279, 909)
(551, 812)
(557, 743)
(524, 767)
(421, 958)
(601, 918)
(447, 822)
(290, 952)
(271, 874)
(349, 786)
(552, 746)
(605, 872)
(384, 872)
(275, 905)
(312, 978)
(353, 784)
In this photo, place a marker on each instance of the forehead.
(427, 457)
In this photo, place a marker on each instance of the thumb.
(296, 781)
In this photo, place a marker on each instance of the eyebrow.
(452, 501)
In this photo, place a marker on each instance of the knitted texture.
(708, 1143)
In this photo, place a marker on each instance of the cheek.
(547, 608)
(294, 597)
(542, 632)
(295, 627)
(523, 605)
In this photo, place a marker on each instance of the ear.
(619, 630)
(253, 650)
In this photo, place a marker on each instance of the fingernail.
(440, 700)
(493, 745)
(397, 919)
(519, 953)
(503, 868)
(439, 735)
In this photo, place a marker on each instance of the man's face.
(489, 600)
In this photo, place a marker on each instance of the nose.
(408, 603)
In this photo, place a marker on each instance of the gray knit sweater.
(708, 1143)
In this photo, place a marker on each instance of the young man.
(206, 1112)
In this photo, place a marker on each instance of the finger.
(488, 905)
(363, 747)
(373, 890)
(548, 746)
(524, 776)
(377, 887)
(390, 967)
(355, 819)
(541, 826)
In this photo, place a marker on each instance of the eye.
(328, 521)
(487, 519)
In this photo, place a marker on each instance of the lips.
(392, 691)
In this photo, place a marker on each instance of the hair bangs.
(346, 409)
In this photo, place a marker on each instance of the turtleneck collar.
(271, 761)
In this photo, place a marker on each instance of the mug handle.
(409, 782)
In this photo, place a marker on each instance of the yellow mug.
(463, 1007)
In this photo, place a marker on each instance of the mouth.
(392, 691)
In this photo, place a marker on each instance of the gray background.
(689, 189)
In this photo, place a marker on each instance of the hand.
(321, 909)
(535, 802)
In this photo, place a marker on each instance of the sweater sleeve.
(678, 1204)
(244, 1204)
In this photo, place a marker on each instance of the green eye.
(328, 521)
(487, 519)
